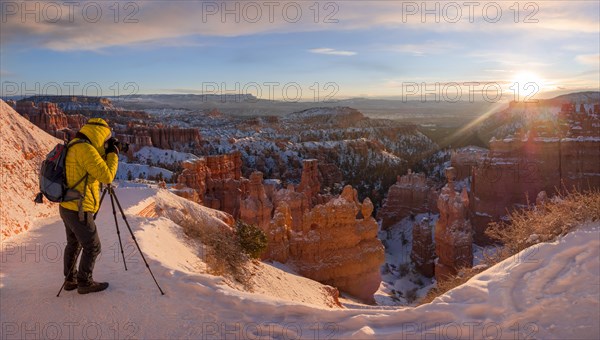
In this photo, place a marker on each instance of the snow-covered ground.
(547, 292)
(153, 155)
(401, 284)
(132, 171)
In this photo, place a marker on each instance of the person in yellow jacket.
(99, 164)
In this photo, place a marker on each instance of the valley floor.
(550, 291)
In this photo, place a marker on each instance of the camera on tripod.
(123, 147)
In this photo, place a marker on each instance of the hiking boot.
(70, 284)
(91, 287)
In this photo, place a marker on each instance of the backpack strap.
(81, 138)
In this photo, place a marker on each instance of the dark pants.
(80, 235)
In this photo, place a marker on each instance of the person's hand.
(113, 145)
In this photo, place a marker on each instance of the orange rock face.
(309, 182)
(50, 118)
(256, 208)
(279, 234)
(216, 180)
(464, 159)
(423, 250)
(453, 232)
(193, 178)
(173, 137)
(327, 242)
(336, 248)
(410, 195)
(518, 168)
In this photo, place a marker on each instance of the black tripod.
(113, 198)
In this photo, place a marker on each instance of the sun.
(527, 77)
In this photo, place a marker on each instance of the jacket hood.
(97, 130)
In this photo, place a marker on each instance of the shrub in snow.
(251, 238)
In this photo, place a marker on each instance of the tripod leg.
(112, 202)
(72, 266)
(101, 199)
(135, 241)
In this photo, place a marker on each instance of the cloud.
(159, 21)
(331, 51)
(589, 59)
(429, 47)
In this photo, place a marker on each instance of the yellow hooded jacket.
(88, 158)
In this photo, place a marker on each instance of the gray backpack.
(53, 179)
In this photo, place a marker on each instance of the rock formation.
(279, 234)
(464, 159)
(423, 249)
(256, 208)
(336, 248)
(309, 183)
(50, 118)
(23, 147)
(453, 232)
(334, 242)
(297, 203)
(224, 167)
(174, 138)
(215, 181)
(191, 183)
(410, 195)
(517, 168)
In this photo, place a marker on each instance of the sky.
(302, 50)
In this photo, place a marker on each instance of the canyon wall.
(50, 118)
(517, 168)
(411, 194)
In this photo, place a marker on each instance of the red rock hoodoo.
(453, 232)
(411, 194)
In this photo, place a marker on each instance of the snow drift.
(23, 147)
(550, 291)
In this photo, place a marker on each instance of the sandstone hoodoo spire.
(338, 249)
(453, 232)
(423, 249)
(309, 182)
(256, 208)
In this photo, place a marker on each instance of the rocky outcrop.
(256, 208)
(337, 248)
(453, 232)
(50, 118)
(464, 159)
(309, 183)
(545, 158)
(519, 167)
(23, 147)
(423, 249)
(191, 183)
(216, 181)
(334, 242)
(174, 138)
(297, 202)
(411, 194)
(279, 234)
(227, 166)
(225, 186)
